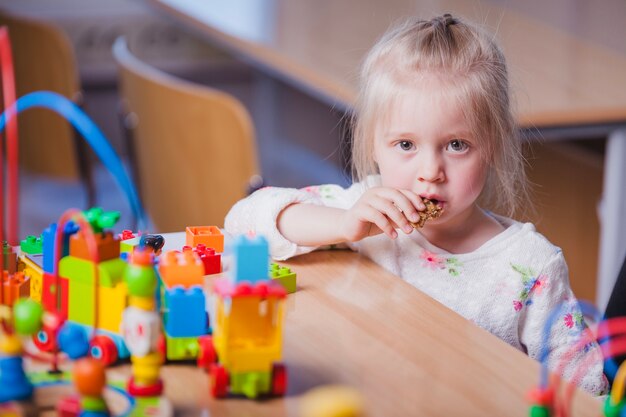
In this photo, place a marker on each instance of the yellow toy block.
(33, 271)
(210, 236)
(111, 305)
(184, 269)
(248, 333)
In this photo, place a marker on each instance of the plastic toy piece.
(108, 246)
(332, 401)
(49, 297)
(153, 242)
(80, 276)
(14, 286)
(32, 244)
(542, 402)
(90, 380)
(285, 276)
(48, 237)
(100, 219)
(212, 260)
(185, 313)
(210, 236)
(10, 258)
(126, 234)
(29, 266)
(184, 269)
(250, 259)
(141, 326)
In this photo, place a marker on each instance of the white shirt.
(508, 286)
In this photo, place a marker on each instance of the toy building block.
(126, 234)
(108, 246)
(184, 269)
(128, 245)
(212, 260)
(100, 219)
(185, 312)
(49, 294)
(285, 276)
(251, 384)
(210, 236)
(48, 237)
(14, 286)
(181, 348)
(32, 244)
(15, 385)
(10, 257)
(30, 266)
(250, 259)
(80, 275)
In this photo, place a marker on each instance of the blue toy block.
(15, 385)
(48, 236)
(185, 312)
(249, 259)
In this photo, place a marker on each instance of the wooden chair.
(44, 60)
(194, 145)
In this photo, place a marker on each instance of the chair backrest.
(194, 145)
(44, 60)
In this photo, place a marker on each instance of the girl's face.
(426, 146)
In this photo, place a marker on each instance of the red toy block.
(69, 406)
(212, 260)
(126, 234)
(49, 294)
(14, 286)
(210, 236)
(108, 246)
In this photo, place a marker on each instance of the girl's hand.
(381, 210)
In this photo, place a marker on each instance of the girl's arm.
(311, 225)
(378, 210)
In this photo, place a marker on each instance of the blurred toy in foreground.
(247, 325)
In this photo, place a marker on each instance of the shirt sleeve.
(258, 212)
(550, 292)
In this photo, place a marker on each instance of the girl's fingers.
(374, 216)
(415, 200)
(393, 213)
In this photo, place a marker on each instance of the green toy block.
(181, 348)
(539, 411)
(613, 410)
(100, 219)
(81, 270)
(285, 276)
(32, 245)
(251, 384)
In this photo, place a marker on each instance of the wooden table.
(351, 322)
(567, 85)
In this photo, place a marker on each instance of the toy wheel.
(103, 349)
(219, 380)
(207, 355)
(45, 340)
(279, 379)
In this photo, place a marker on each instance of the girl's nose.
(430, 169)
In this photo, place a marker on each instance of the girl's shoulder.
(521, 240)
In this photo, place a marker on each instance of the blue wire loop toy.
(92, 134)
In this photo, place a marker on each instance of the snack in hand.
(432, 211)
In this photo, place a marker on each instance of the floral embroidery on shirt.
(531, 283)
(433, 261)
(322, 191)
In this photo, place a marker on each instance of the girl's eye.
(457, 145)
(405, 145)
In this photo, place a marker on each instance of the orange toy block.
(14, 286)
(108, 246)
(209, 236)
(184, 269)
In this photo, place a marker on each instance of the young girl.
(434, 121)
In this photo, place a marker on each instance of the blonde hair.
(471, 63)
